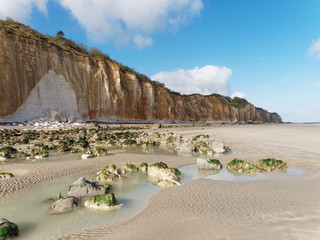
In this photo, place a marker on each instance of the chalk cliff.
(45, 76)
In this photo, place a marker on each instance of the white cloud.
(238, 94)
(20, 10)
(142, 42)
(122, 21)
(207, 80)
(314, 50)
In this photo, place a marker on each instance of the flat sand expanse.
(286, 207)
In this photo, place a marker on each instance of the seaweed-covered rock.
(129, 167)
(88, 154)
(42, 154)
(101, 151)
(8, 150)
(109, 173)
(143, 167)
(160, 174)
(202, 148)
(85, 188)
(270, 164)
(102, 202)
(209, 164)
(8, 229)
(171, 141)
(62, 205)
(242, 167)
(5, 175)
(147, 142)
(4, 156)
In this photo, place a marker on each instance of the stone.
(270, 164)
(85, 188)
(213, 164)
(42, 154)
(202, 148)
(4, 175)
(143, 167)
(129, 167)
(8, 229)
(102, 202)
(101, 151)
(219, 147)
(88, 154)
(163, 176)
(64, 204)
(242, 167)
(110, 173)
(185, 147)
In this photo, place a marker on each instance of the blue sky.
(266, 50)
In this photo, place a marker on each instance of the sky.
(267, 51)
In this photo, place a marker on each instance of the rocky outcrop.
(62, 205)
(103, 202)
(39, 78)
(213, 164)
(8, 229)
(85, 188)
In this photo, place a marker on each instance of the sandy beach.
(285, 207)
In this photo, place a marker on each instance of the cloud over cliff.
(124, 21)
(206, 80)
(120, 21)
(21, 10)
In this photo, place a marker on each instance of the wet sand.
(285, 208)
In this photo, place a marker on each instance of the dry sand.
(276, 208)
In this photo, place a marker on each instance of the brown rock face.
(39, 78)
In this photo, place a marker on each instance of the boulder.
(110, 173)
(219, 147)
(42, 154)
(185, 147)
(85, 188)
(143, 167)
(4, 156)
(101, 151)
(88, 154)
(62, 205)
(242, 167)
(163, 176)
(202, 148)
(213, 164)
(270, 164)
(4, 175)
(102, 202)
(129, 167)
(8, 229)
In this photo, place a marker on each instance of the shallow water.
(30, 212)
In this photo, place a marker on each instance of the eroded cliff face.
(38, 78)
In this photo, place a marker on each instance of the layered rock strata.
(41, 79)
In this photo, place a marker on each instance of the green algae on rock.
(270, 164)
(102, 202)
(213, 164)
(163, 176)
(8, 229)
(238, 166)
(5, 175)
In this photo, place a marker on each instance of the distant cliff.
(54, 77)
